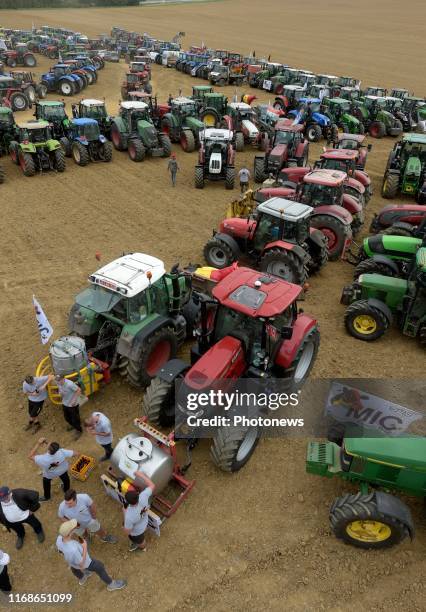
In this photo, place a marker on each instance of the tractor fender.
(171, 119)
(53, 145)
(28, 148)
(389, 505)
(288, 349)
(286, 246)
(172, 370)
(228, 121)
(120, 124)
(338, 212)
(321, 120)
(317, 237)
(69, 77)
(351, 205)
(385, 260)
(301, 148)
(382, 307)
(229, 241)
(131, 346)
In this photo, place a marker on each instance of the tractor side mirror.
(286, 333)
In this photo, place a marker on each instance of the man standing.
(54, 464)
(81, 507)
(99, 426)
(5, 585)
(35, 388)
(244, 176)
(79, 560)
(136, 514)
(173, 167)
(70, 393)
(16, 508)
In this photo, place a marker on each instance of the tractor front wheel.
(19, 101)
(66, 88)
(390, 186)
(30, 60)
(364, 321)
(156, 350)
(158, 403)
(356, 520)
(41, 90)
(239, 142)
(377, 129)
(166, 144)
(106, 151)
(218, 254)
(313, 132)
(136, 150)
(370, 266)
(232, 447)
(27, 163)
(66, 145)
(284, 264)
(116, 137)
(230, 178)
(304, 361)
(80, 154)
(187, 141)
(199, 177)
(59, 160)
(259, 169)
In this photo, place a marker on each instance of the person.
(70, 393)
(35, 388)
(78, 558)
(136, 514)
(244, 176)
(173, 167)
(99, 425)
(17, 506)
(270, 181)
(5, 585)
(81, 507)
(54, 464)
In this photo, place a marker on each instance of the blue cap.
(4, 492)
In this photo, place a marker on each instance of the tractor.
(262, 78)
(389, 255)
(87, 143)
(61, 79)
(377, 92)
(278, 238)
(36, 150)
(346, 160)
(249, 329)
(355, 142)
(339, 112)
(139, 67)
(372, 518)
(20, 56)
(399, 220)
(315, 123)
(94, 109)
(8, 129)
(54, 113)
(415, 111)
(212, 108)
(406, 169)
(288, 148)
(348, 81)
(373, 300)
(372, 113)
(240, 119)
(181, 123)
(131, 317)
(226, 75)
(12, 96)
(216, 158)
(133, 129)
(290, 97)
(198, 93)
(135, 81)
(28, 86)
(395, 107)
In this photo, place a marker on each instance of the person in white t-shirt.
(99, 425)
(244, 176)
(136, 514)
(53, 463)
(35, 388)
(5, 585)
(81, 507)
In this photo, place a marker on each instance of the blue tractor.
(61, 79)
(316, 124)
(87, 143)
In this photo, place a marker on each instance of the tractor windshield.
(89, 131)
(186, 109)
(335, 164)
(96, 112)
(314, 107)
(39, 135)
(321, 194)
(99, 299)
(283, 137)
(54, 113)
(348, 143)
(230, 322)
(294, 94)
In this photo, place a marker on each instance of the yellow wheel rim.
(368, 531)
(209, 120)
(365, 324)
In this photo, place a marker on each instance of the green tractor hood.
(412, 174)
(398, 247)
(323, 459)
(147, 132)
(194, 124)
(384, 288)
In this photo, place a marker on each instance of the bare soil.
(258, 539)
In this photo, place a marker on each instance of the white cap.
(4, 558)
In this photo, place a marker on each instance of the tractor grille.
(215, 164)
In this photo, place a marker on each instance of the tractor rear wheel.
(158, 403)
(187, 141)
(116, 137)
(66, 145)
(199, 177)
(259, 169)
(218, 254)
(335, 231)
(41, 90)
(396, 129)
(30, 60)
(232, 447)
(377, 129)
(136, 150)
(365, 322)
(59, 160)
(398, 229)
(27, 163)
(166, 144)
(19, 101)
(313, 132)
(239, 142)
(80, 154)
(30, 92)
(230, 178)
(11, 62)
(370, 266)
(157, 349)
(390, 186)
(303, 363)
(356, 520)
(284, 264)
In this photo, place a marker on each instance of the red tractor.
(13, 96)
(346, 161)
(357, 143)
(400, 220)
(288, 148)
(20, 56)
(279, 240)
(135, 81)
(251, 329)
(140, 67)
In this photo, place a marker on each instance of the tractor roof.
(285, 209)
(397, 452)
(329, 76)
(284, 125)
(33, 125)
(50, 103)
(373, 97)
(255, 294)
(139, 94)
(130, 274)
(309, 100)
(330, 178)
(202, 87)
(242, 106)
(133, 105)
(338, 101)
(357, 137)
(415, 138)
(92, 102)
(340, 154)
(294, 88)
(181, 100)
(84, 121)
(216, 134)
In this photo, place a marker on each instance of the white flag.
(44, 327)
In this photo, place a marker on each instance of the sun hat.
(66, 528)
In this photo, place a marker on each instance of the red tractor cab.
(134, 81)
(346, 160)
(141, 68)
(288, 148)
(19, 56)
(357, 143)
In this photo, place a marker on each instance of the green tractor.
(131, 315)
(36, 150)
(373, 300)
(54, 113)
(406, 169)
(212, 109)
(134, 130)
(373, 518)
(338, 111)
(379, 122)
(388, 255)
(8, 129)
(181, 123)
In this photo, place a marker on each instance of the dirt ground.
(258, 539)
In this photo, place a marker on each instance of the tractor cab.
(240, 112)
(185, 107)
(36, 132)
(322, 187)
(399, 93)
(7, 121)
(91, 109)
(215, 143)
(59, 70)
(51, 111)
(86, 130)
(338, 107)
(379, 92)
(293, 92)
(347, 81)
(350, 93)
(327, 79)
(139, 67)
(339, 159)
(280, 219)
(134, 111)
(199, 92)
(290, 135)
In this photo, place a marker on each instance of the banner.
(44, 327)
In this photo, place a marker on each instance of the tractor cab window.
(233, 323)
(137, 307)
(335, 164)
(267, 230)
(89, 131)
(348, 143)
(99, 299)
(320, 194)
(96, 112)
(313, 107)
(40, 135)
(132, 78)
(53, 113)
(58, 72)
(282, 137)
(221, 69)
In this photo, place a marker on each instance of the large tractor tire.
(19, 102)
(284, 264)
(30, 92)
(199, 178)
(377, 129)
(313, 132)
(390, 186)
(298, 373)
(187, 141)
(27, 164)
(106, 148)
(230, 178)
(42, 90)
(239, 142)
(319, 257)
(136, 150)
(371, 266)
(398, 229)
(364, 321)
(335, 232)
(11, 62)
(116, 137)
(232, 447)
(66, 88)
(59, 160)
(395, 130)
(89, 76)
(218, 254)
(356, 520)
(158, 403)
(66, 145)
(80, 154)
(157, 349)
(259, 169)
(2, 174)
(166, 144)
(30, 60)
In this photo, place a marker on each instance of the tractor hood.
(249, 129)
(147, 132)
(235, 226)
(194, 124)
(320, 119)
(413, 167)
(216, 363)
(350, 119)
(277, 155)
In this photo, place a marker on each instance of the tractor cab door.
(268, 229)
